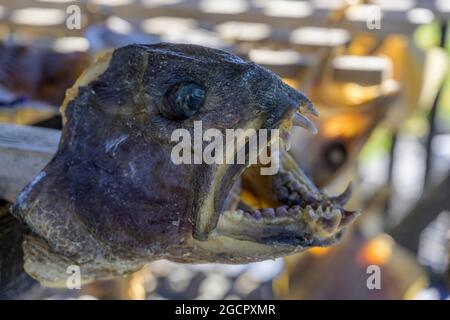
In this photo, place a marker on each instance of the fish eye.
(183, 100)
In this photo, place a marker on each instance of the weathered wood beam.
(407, 232)
(24, 151)
(364, 70)
(283, 17)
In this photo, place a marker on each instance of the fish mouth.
(284, 209)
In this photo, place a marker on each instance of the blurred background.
(377, 70)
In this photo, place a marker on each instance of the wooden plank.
(283, 16)
(218, 11)
(57, 4)
(285, 63)
(434, 202)
(396, 15)
(276, 13)
(364, 70)
(24, 151)
(23, 112)
(43, 18)
(303, 39)
(440, 8)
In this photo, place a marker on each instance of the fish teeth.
(248, 215)
(288, 142)
(309, 108)
(268, 213)
(293, 197)
(331, 223)
(300, 120)
(319, 211)
(327, 213)
(293, 211)
(234, 215)
(282, 211)
(287, 139)
(336, 212)
(343, 198)
(239, 214)
(311, 213)
(296, 185)
(302, 190)
(257, 215)
(348, 217)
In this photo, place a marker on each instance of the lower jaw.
(296, 214)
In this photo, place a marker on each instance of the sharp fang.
(301, 121)
(344, 197)
(319, 211)
(336, 212)
(327, 213)
(286, 136)
(288, 142)
(348, 217)
(309, 108)
(311, 213)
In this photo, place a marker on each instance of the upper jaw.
(221, 178)
(229, 175)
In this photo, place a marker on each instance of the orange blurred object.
(377, 251)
